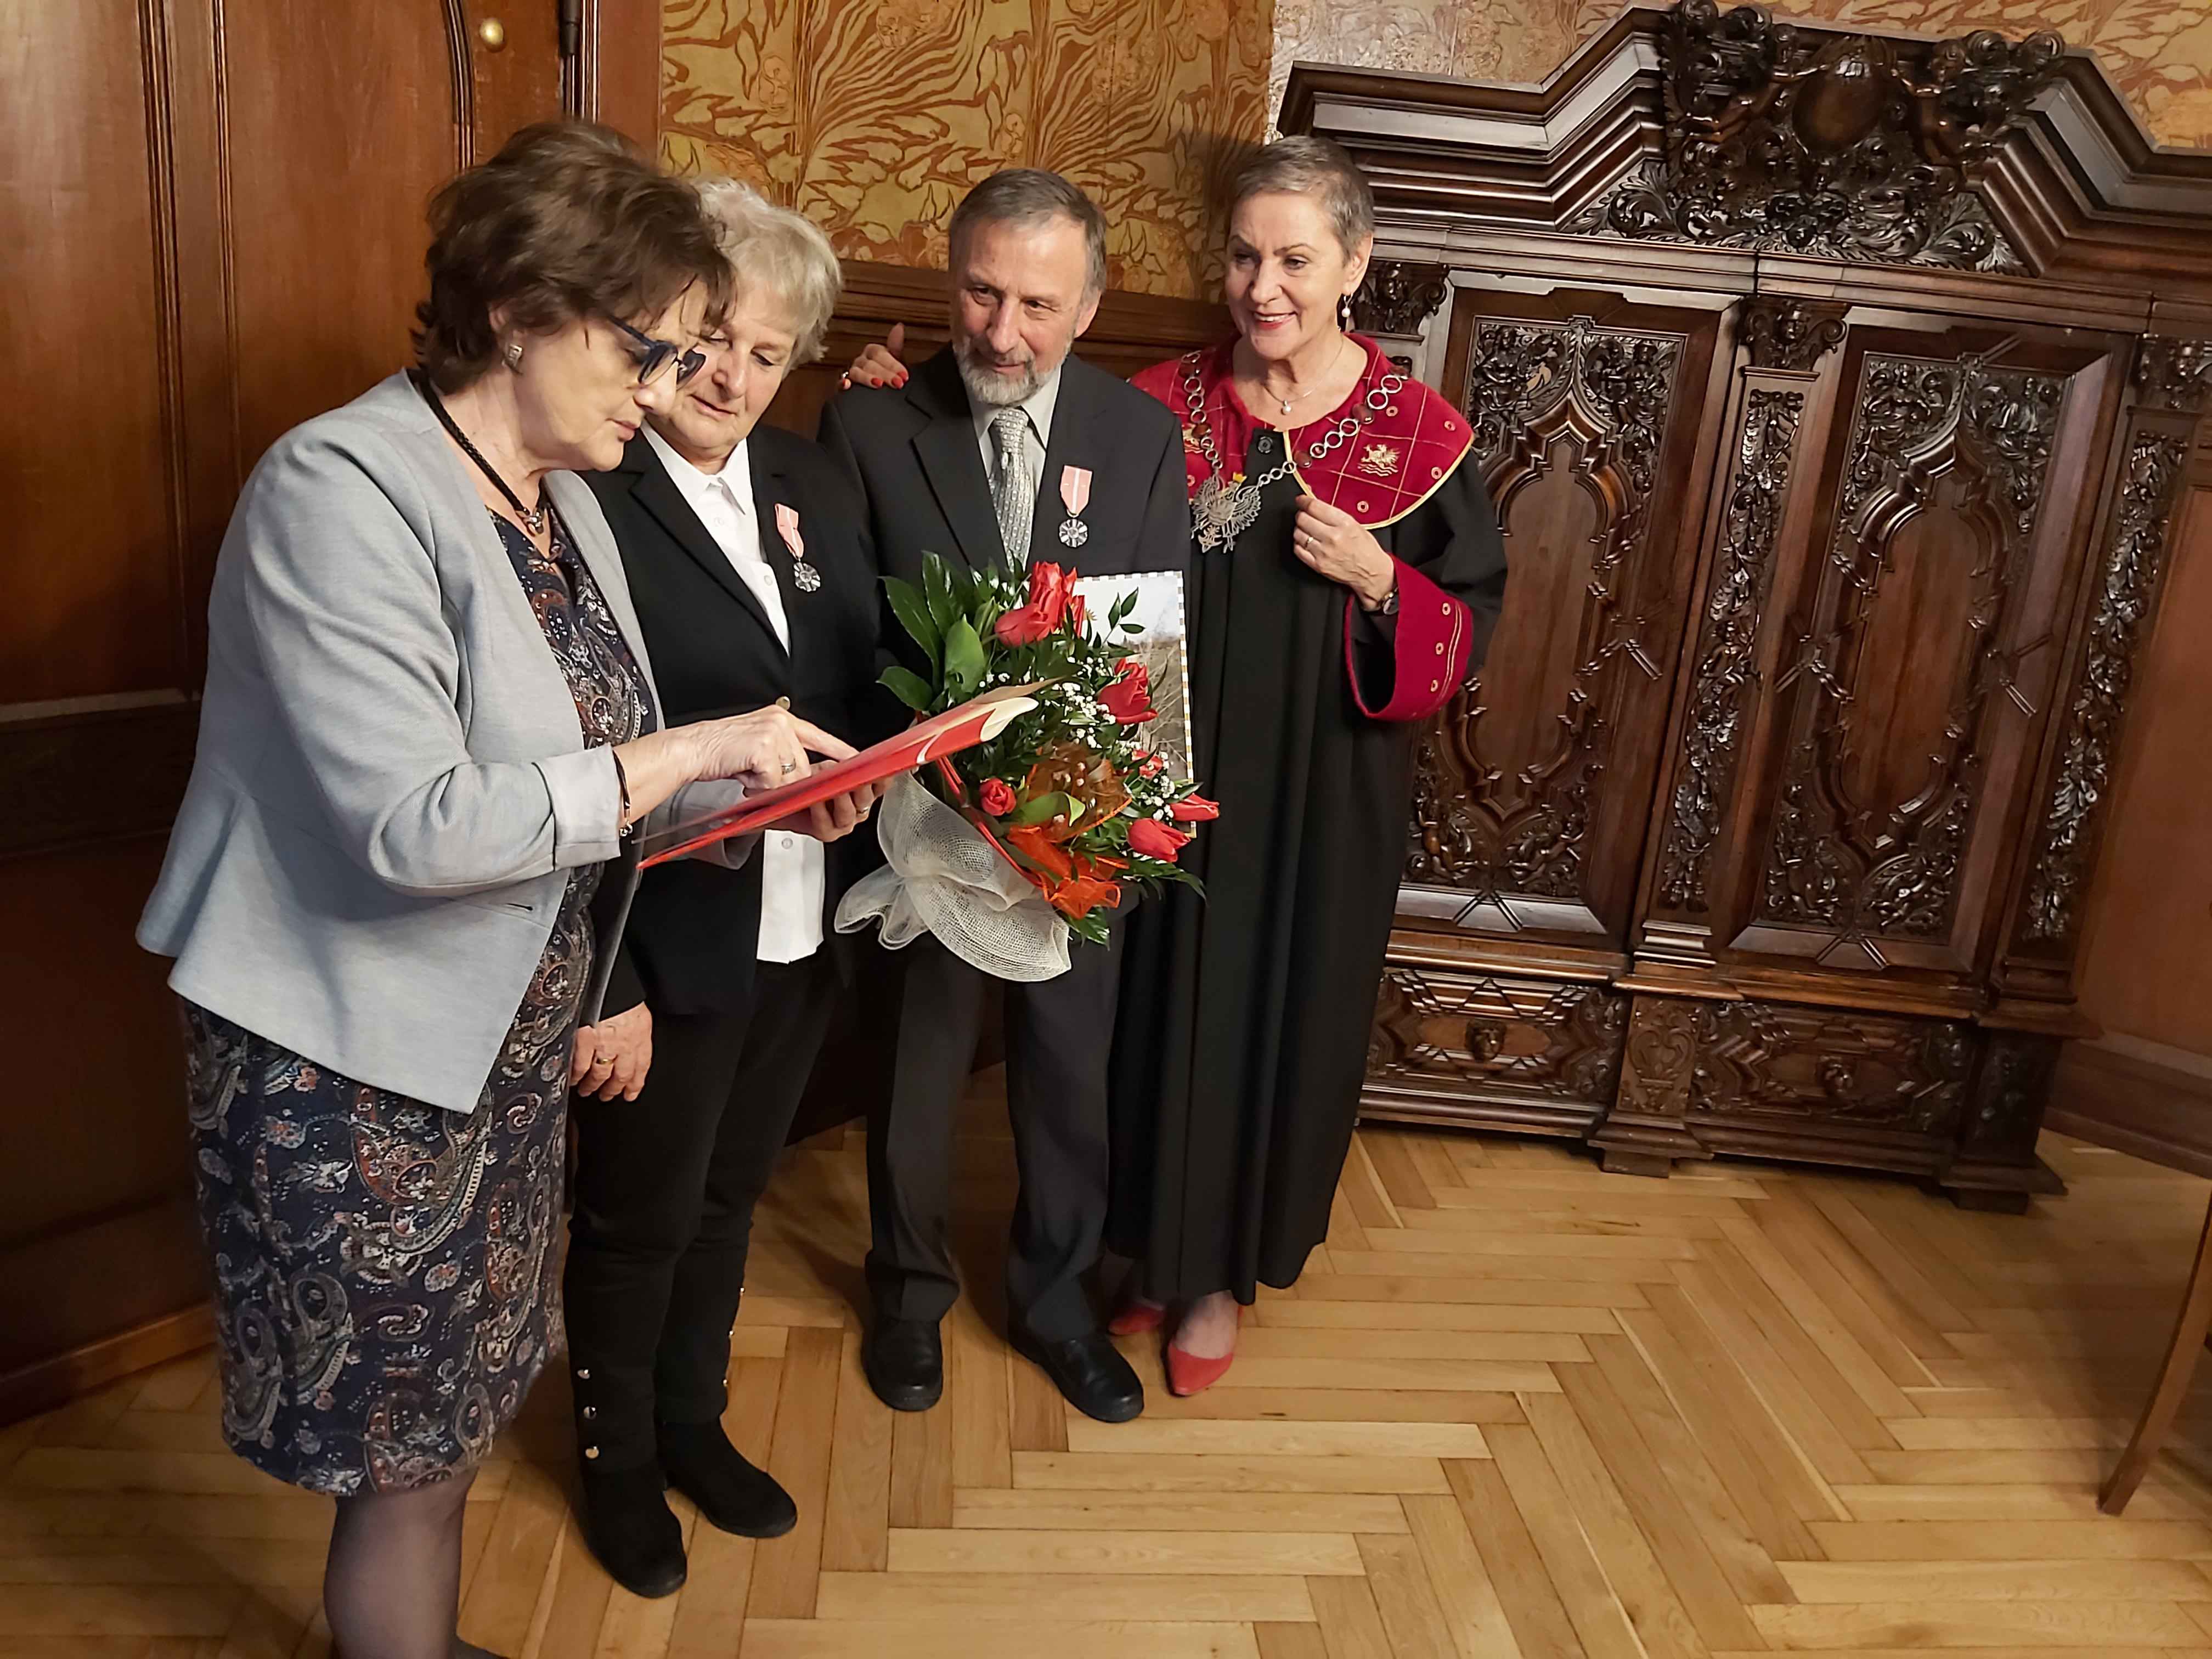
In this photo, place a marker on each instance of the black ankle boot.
(630, 1528)
(731, 1493)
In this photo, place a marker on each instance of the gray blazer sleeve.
(344, 603)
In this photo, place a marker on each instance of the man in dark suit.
(1005, 447)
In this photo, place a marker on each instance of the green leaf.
(909, 688)
(913, 612)
(937, 585)
(964, 658)
(1043, 809)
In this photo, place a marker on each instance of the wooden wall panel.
(327, 254)
(2147, 969)
(107, 1102)
(82, 455)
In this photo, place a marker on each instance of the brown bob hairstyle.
(568, 221)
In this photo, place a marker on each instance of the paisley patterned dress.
(387, 1273)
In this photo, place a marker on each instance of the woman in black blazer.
(755, 583)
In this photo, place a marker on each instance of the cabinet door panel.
(1913, 675)
(1533, 787)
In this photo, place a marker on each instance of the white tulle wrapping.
(943, 878)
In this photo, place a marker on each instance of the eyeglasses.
(654, 356)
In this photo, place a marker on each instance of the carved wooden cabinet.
(1837, 393)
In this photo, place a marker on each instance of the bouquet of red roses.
(1067, 793)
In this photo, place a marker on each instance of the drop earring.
(514, 356)
(1344, 314)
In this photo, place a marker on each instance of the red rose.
(1154, 840)
(1050, 590)
(1129, 699)
(998, 797)
(1194, 808)
(1025, 625)
(1075, 612)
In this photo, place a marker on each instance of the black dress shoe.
(630, 1528)
(731, 1493)
(1090, 1372)
(904, 1359)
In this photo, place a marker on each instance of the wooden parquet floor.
(1515, 1407)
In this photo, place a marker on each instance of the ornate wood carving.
(1781, 332)
(1556, 1041)
(1830, 1066)
(1604, 394)
(1662, 1055)
(1890, 868)
(2172, 375)
(1850, 147)
(1399, 295)
(1727, 667)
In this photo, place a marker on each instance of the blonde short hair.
(775, 252)
(1307, 165)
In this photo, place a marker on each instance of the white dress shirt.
(792, 866)
(1036, 436)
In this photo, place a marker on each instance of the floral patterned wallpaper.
(2159, 51)
(874, 117)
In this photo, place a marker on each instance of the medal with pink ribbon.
(803, 576)
(1075, 496)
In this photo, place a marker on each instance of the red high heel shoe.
(1136, 1316)
(1188, 1374)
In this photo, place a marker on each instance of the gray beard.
(988, 389)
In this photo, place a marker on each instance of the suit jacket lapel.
(1073, 444)
(656, 492)
(953, 464)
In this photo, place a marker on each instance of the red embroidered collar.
(1382, 451)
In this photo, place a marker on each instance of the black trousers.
(665, 1186)
(1058, 1036)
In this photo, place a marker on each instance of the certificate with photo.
(1163, 647)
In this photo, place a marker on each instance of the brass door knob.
(492, 33)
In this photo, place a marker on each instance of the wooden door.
(213, 219)
(1913, 651)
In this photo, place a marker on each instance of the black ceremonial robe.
(1244, 1031)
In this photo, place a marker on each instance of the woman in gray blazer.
(396, 882)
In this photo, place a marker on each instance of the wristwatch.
(1389, 605)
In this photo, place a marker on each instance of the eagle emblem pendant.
(1223, 512)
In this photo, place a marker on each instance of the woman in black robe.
(1341, 593)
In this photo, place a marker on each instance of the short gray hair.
(1311, 166)
(775, 252)
(1028, 196)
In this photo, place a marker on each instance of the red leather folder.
(977, 721)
